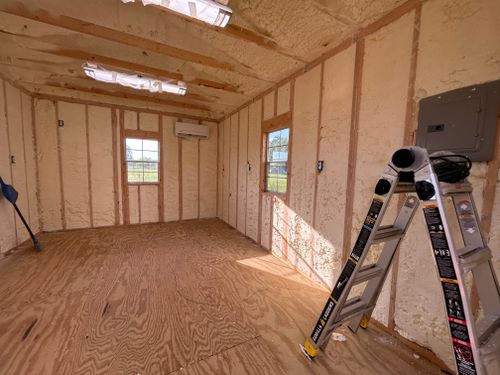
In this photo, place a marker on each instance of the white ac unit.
(187, 130)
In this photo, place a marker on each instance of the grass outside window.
(143, 159)
(277, 161)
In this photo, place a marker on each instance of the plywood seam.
(353, 146)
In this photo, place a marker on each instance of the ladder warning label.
(453, 300)
(343, 279)
(451, 290)
(366, 230)
(325, 315)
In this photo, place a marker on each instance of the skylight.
(207, 11)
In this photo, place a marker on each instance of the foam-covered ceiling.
(45, 42)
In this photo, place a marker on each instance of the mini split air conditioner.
(187, 130)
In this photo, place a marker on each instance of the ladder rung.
(351, 308)
(470, 257)
(490, 350)
(487, 327)
(446, 189)
(405, 187)
(366, 273)
(386, 233)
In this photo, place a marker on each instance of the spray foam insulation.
(242, 169)
(252, 196)
(334, 151)
(101, 166)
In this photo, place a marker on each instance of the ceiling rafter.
(238, 32)
(19, 9)
(100, 59)
(16, 63)
(99, 103)
(126, 95)
(127, 65)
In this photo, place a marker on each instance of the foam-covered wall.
(352, 109)
(17, 140)
(80, 168)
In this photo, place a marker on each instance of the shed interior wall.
(352, 110)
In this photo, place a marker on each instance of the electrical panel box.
(463, 121)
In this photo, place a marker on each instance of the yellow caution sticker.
(310, 350)
(364, 322)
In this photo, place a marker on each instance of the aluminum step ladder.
(460, 254)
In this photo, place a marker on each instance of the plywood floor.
(180, 298)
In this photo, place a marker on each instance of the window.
(143, 157)
(277, 161)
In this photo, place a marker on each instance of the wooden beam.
(81, 26)
(346, 43)
(489, 189)
(100, 59)
(126, 95)
(97, 103)
(238, 32)
(137, 133)
(408, 140)
(87, 80)
(277, 122)
(392, 16)
(353, 147)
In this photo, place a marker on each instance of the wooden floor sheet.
(181, 298)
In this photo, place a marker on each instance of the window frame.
(143, 136)
(266, 162)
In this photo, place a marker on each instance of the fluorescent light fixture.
(208, 11)
(135, 81)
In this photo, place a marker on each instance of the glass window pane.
(135, 172)
(150, 172)
(134, 155)
(134, 144)
(273, 139)
(150, 156)
(150, 145)
(277, 161)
